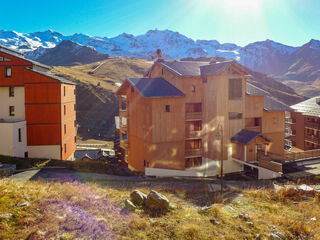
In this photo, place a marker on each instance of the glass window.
(167, 108)
(11, 91)
(235, 88)
(8, 72)
(11, 111)
(235, 115)
(19, 134)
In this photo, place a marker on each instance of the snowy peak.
(313, 44)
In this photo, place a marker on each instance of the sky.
(291, 22)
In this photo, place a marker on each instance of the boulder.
(157, 201)
(138, 197)
(129, 205)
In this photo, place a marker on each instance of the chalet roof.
(93, 154)
(184, 68)
(214, 68)
(20, 55)
(155, 87)
(247, 136)
(308, 107)
(270, 103)
(62, 80)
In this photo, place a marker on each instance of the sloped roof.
(184, 68)
(20, 55)
(214, 68)
(93, 154)
(155, 87)
(246, 136)
(270, 103)
(62, 80)
(308, 107)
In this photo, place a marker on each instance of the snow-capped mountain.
(264, 56)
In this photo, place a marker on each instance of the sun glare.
(236, 7)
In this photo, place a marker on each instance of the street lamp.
(219, 136)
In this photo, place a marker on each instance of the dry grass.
(88, 211)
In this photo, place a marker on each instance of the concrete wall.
(45, 151)
(17, 101)
(9, 135)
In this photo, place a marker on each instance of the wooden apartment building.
(172, 120)
(305, 124)
(37, 109)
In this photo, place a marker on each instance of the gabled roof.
(17, 54)
(214, 68)
(154, 87)
(308, 107)
(59, 79)
(247, 136)
(184, 68)
(270, 104)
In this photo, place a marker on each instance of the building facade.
(184, 115)
(37, 110)
(305, 124)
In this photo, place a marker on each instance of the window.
(64, 90)
(65, 129)
(19, 134)
(144, 163)
(8, 72)
(74, 106)
(75, 123)
(257, 122)
(4, 59)
(65, 148)
(193, 88)
(75, 139)
(235, 115)
(162, 71)
(25, 154)
(64, 109)
(11, 110)
(11, 91)
(193, 107)
(167, 108)
(235, 88)
(193, 162)
(74, 91)
(204, 79)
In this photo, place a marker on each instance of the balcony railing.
(124, 144)
(313, 125)
(292, 156)
(288, 120)
(197, 152)
(312, 138)
(193, 115)
(193, 134)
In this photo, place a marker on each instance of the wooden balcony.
(292, 156)
(312, 125)
(312, 138)
(124, 144)
(193, 134)
(197, 152)
(191, 116)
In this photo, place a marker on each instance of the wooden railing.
(271, 165)
(193, 152)
(312, 138)
(313, 125)
(193, 134)
(193, 115)
(124, 144)
(287, 157)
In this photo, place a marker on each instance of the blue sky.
(292, 22)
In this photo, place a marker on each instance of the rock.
(25, 204)
(250, 224)
(5, 215)
(231, 209)
(244, 217)
(277, 236)
(157, 201)
(214, 221)
(258, 236)
(129, 205)
(313, 219)
(305, 187)
(138, 197)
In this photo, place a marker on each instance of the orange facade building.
(173, 121)
(44, 104)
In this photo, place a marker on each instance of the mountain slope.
(69, 53)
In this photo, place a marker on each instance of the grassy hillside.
(76, 210)
(96, 102)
